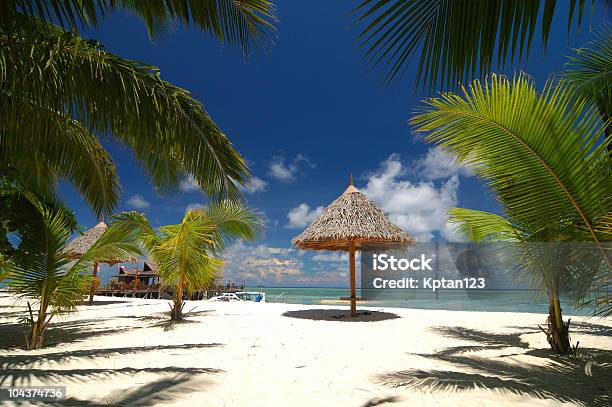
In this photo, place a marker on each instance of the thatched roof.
(80, 244)
(352, 216)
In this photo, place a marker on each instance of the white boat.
(251, 296)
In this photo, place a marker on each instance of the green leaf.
(457, 39)
(540, 153)
(247, 23)
(167, 130)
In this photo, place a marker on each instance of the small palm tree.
(544, 158)
(187, 254)
(47, 274)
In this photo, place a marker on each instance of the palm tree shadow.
(162, 320)
(29, 360)
(22, 377)
(584, 380)
(161, 391)
(587, 328)
(12, 335)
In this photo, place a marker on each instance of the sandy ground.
(124, 352)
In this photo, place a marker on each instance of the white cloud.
(420, 208)
(438, 164)
(302, 215)
(138, 202)
(256, 185)
(189, 184)
(263, 264)
(260, 264)
(279, 171)
(333, 257)
(287, 172)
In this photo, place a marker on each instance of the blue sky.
(305, 115)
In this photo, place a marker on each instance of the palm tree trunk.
(35, 340)
(93, 283)
(557, 333)
(177, 309)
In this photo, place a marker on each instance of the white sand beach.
(123, 352)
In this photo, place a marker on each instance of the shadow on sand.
(159, 392)
(104, 302)
(380, 401)
(12, 335)
(586, 328)
(340, 315)
(584, 380)
(30, 360)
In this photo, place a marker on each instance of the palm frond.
(457, 39)
(145, 234)
(247, 23)
(40, 275)
(168, 131)
(480, 226)
(231, 221)
(588, 74)
(539, 153)
(51, 144)
(118, 242)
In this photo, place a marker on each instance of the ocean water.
(454, 300)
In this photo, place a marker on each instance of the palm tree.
(187, 254)
(50, 277)
(60, 94)
(457, 39)
(543, 157)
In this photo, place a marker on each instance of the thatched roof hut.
(352, 222)
(352, 217)
(80, 244)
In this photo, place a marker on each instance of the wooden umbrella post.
(352, 277)
(91, 289)
(352, 222)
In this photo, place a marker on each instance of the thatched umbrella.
(79, 245)
(350, 223)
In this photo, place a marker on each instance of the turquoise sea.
(455, 300)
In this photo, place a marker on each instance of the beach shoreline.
(123, 351)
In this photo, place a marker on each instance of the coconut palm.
(60, 94)
(543, 156)
(50, 277)
(457, 39)
(187, 254)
